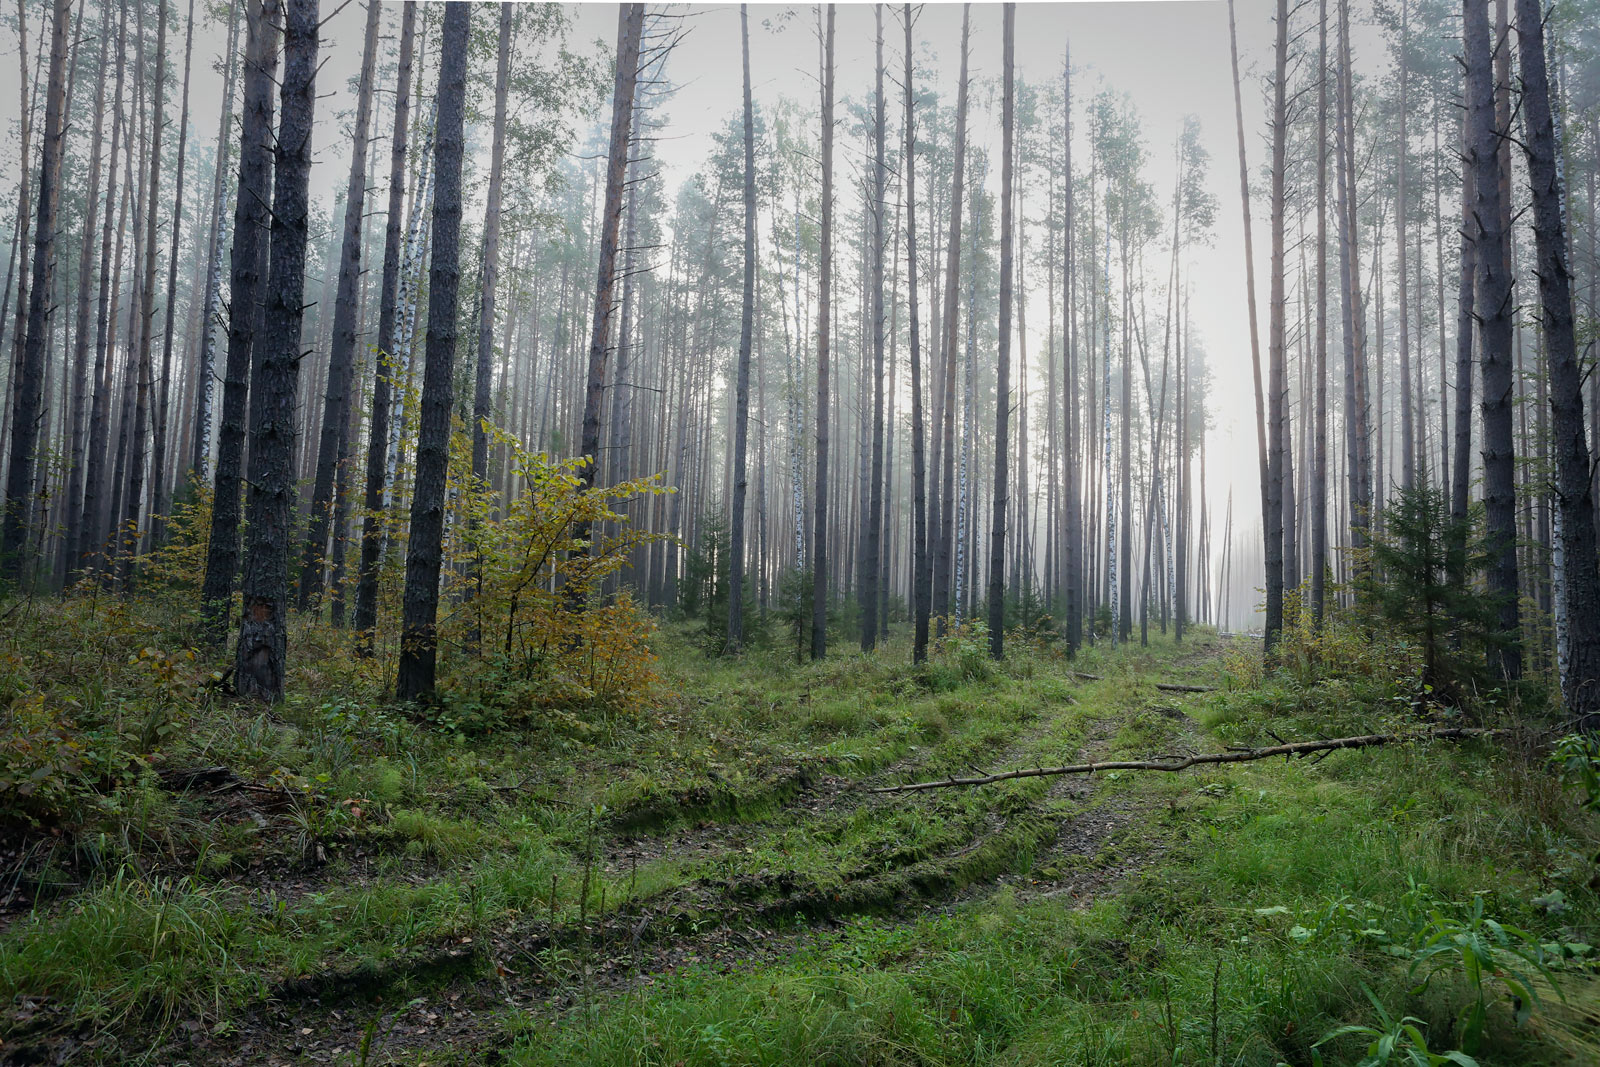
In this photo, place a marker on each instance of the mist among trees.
(534, 484)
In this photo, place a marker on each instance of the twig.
(1298, 748)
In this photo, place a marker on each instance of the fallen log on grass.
(1180, 763)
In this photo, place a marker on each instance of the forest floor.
(338, 882)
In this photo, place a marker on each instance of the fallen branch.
(1171, 687)
(1243, 755)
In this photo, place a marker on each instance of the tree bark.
(872, 549)
(1250, 296)
(741, 403)
(1002, 415)
(419, 636)
(1319, 474)
(161, 498)
(921, 575)
(1580, 664)
(366, 614)
(250, 219)
(205, 413)
(819, 521)
(1408, 452)
(1278, 452)
(261, 654)
(133, 501)
(70, 544)
(951, 320)
(1072, 489)
(1493, 309)
(630, 28)
(28, 390)
(333, 447)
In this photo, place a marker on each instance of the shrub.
(536, 627)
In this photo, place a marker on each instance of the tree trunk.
(1492, 301)
(630, 27)
(741, 429)
(200, 460)
(1580, 664)
(1002, 414)
(483, 396)
(1319, 475)
(334, 443)
(819, 521)
(874, 531)
(133, 501)
(250, 218)
(161, 497)
(920, 573)
(1278, 452)
(366, 614)
(951, 320)
(28, 390)
(419, 642)
(1072, 520)
(1250, 295)
(70, 543)
(263, 626)
(26, 99)
(1408, 453)
(90, 524)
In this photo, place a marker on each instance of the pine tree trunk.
(334, 437)
(950, 323)
(28, 390)
(872, 546)
(263, 626)
(1408, 453)
(1267, 524)
(1002, 415)
(819, 521)
(741, 428)
(1278, 451)
(630, 27)
(1319, 476)
(205, 414)
(1493, 308)
(128, 535)
(26, 100)
(90, 523)
(379, 429)
(70, 544)
(249, 254)
(1461, 471)
(1580, 669)
(1072, 520)
(483, 378)
(920, 573)
(419, 637)
(161, 498)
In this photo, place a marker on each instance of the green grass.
(734, 804)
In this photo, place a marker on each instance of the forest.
(900, 535)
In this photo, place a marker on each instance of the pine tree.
(419, 639)
(262, 649)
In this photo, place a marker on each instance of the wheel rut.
(461, 996)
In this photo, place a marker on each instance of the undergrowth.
(1259, 913)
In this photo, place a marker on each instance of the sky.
(1169, 56)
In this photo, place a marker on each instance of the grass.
(1224, 916)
